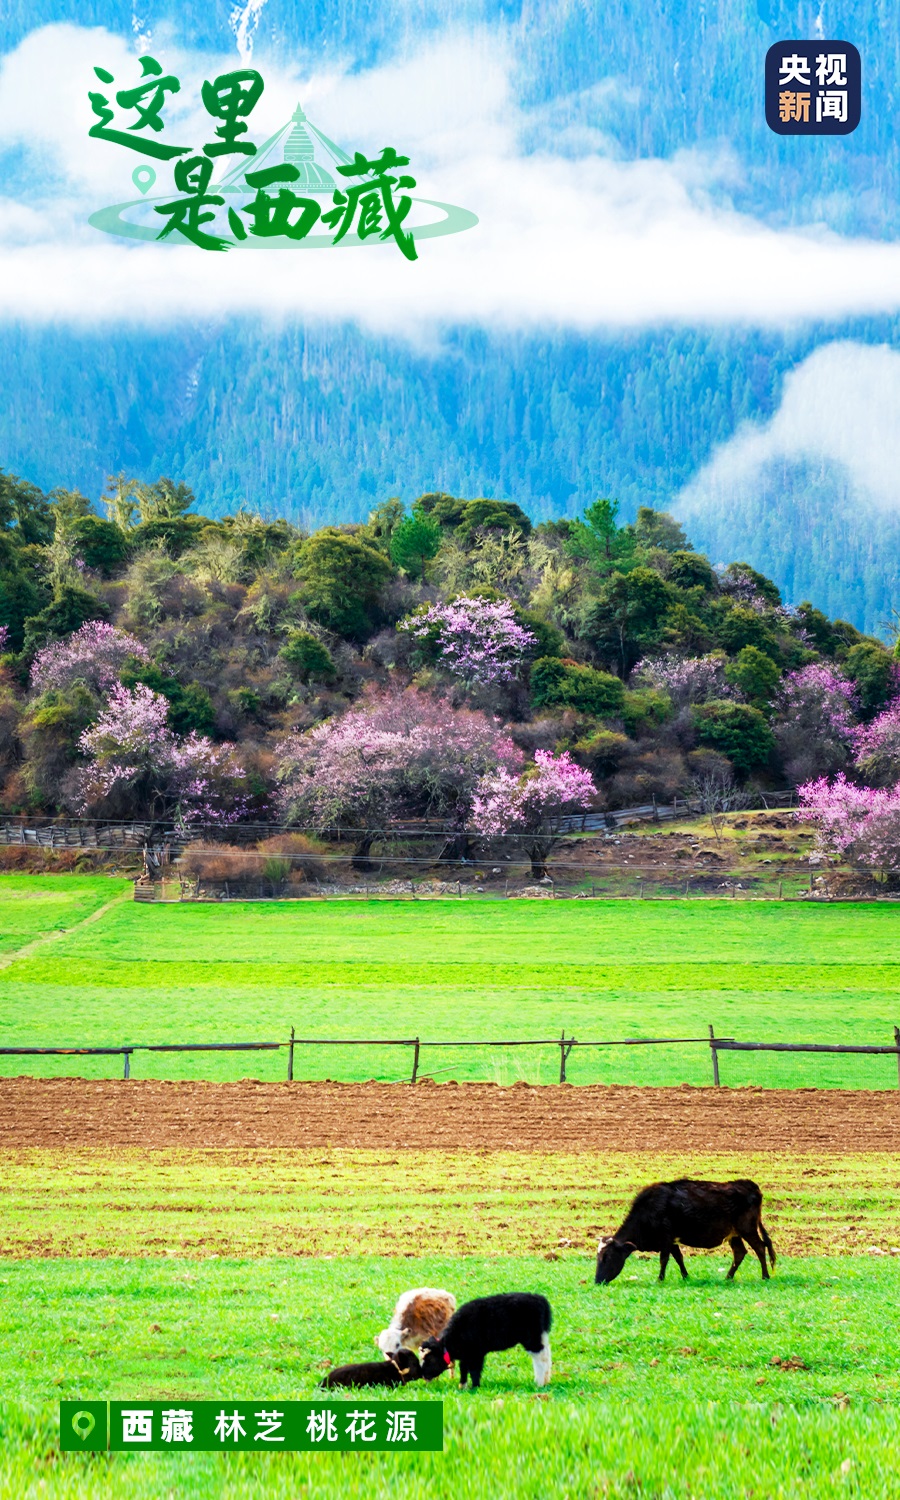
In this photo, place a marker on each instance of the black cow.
(698, 1214)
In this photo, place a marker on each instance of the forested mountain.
(320, 425)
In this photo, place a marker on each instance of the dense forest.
(319, 425)
(443, 660)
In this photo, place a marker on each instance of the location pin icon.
(84, 1422)
(143, 178)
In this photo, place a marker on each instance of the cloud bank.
(839, 416)
(568, 236)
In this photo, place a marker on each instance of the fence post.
(290, 1077)
(415, 1070)
(897, 1045)
(127, 1072)
(565, 1048)
(715, 1057)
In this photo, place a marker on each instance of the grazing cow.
(699, 1214)
(485, 1325)
(420, 1314)
(397, 1369)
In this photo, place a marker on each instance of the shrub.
(644, 709)
(557, 680)
(296, 856)
(755, 675)
(342, 580)
(220, 862)
(875, 673)
(602, 751)
(736, 730)
(309, 657)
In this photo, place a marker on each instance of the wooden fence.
(564, 1044)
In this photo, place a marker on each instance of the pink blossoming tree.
(397, 754)
(136, 765)
(531, 804)
(877, 747)
(693, 679)
(94, 655)
(815, 718)
(857, 823)
(477, 640)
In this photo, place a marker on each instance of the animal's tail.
(764, 1234)
(546, 1317)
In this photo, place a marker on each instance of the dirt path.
(74, 1112)
(62, 932)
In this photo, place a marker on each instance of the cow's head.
(612, 1254)
(435, 1359)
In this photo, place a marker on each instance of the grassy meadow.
(247, 1275)
(445, 969)
(697, 1389)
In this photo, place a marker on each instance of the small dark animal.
(698, 1214)
(397, 1369)
(488, 1324)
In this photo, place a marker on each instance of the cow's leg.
(679, 1261)
(540, 1358)
(475, 1370)
(463, 1372)
(664, 1261)
(738, 1250)
(751, 1235)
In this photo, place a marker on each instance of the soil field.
(65, 1112)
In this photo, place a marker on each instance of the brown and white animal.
(702, 1215)
(420, 1314)
(397, 1369)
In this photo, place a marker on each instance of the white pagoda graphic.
(302, 145)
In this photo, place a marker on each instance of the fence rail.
(565, 1045)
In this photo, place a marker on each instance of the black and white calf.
(487, 1325)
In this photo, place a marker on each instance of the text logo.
(231, 193)
(813, 88)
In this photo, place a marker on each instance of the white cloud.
(840, 413)
(579, 240)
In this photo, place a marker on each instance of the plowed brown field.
(74, 1112)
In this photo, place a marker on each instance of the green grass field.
(446, 970)
(663, 1391)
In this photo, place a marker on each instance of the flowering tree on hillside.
(693, 679)
(94, 655)
(815, 720)
(477, 640)
(397, 754)
(136, 764)
(877, 747)
(531, 804)
(858, 823)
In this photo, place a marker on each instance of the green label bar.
(251, 1426)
